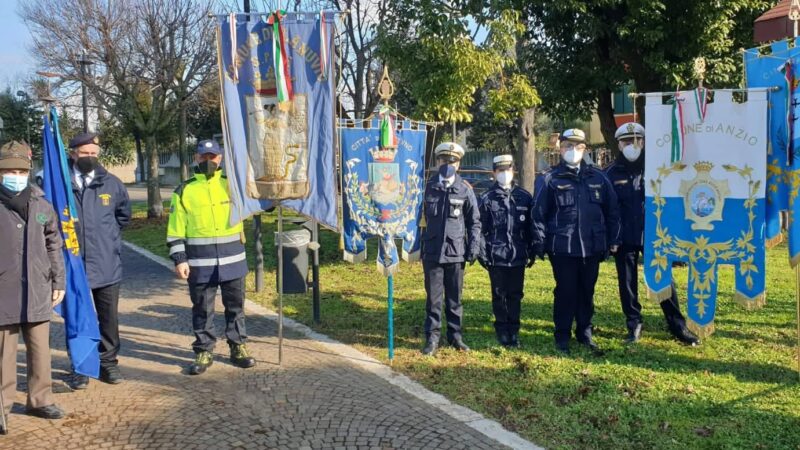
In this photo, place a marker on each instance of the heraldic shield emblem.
(704, 197)
(278, 139)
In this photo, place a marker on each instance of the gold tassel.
(774, 241)
(750, 303)
(794, 260)
(661, 295)
(700, 331)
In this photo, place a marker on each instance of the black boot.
(589, 342)
(513, 340)
(634, 334)
(685, 336)
(563, 348)
(202, 361)
(503, 338)
(458, 344)
(431, 346)
(240, 357)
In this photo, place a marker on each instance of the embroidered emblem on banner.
(703, 197)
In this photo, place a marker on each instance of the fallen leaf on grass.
(704, 431)
(664, 426)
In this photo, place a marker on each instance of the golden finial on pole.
(699, 69)
(385, 87)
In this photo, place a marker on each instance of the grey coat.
(29, 272)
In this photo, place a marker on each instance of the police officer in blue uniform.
(451, 237)
(507, 237)
(627, 177)
(576, 220)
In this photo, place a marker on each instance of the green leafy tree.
(22, 120)
(579, 52)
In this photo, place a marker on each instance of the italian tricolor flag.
(280, 59)
(677, 128)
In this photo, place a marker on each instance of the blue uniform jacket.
(628, 181)
(103, 209)
(453, 222)
(575, 212)
(507, 226)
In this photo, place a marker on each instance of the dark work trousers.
(106, 303)
(574, 296)
(507, 293)
(203, 296)
(627, 261)
(443, 281)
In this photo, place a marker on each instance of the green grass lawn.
(739, 389)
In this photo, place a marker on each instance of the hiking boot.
(110, 375)
(513, 341)
(431, 346)
(240, 357)
(634, 334)
(503, 338)
(589, 342)
(79, 382)
(202, 361)
(458, 344)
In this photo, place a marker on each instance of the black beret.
(84, 139)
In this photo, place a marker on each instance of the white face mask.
(573, 156)
(505, 178)
(631, 152)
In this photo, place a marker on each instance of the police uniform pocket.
(498, 214)
(456, 208)
(565, 196)
(431, 206)
(454, 246)
(596, 193)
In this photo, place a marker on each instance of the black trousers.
(507, 293)
(106, 303)
(627, 261)
(203, 296)
(443, 281)
(573, 296)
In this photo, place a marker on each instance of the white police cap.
(574, 135)
(449, 149)
(629, 130)
(502, 162)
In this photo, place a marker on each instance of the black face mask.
(86, 164)
(208, 167)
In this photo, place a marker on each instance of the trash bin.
(295, 261)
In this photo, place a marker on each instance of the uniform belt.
(210, 262)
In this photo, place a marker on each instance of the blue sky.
(15, 61)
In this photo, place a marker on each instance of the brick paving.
(316, 399)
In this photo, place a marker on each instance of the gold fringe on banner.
(794, 260)
(700, 331)
(661, 295)
(410, 257)
(774, 241)
(355, 258)
(750, 303)
(386, 271)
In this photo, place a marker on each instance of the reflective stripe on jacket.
(200, 234)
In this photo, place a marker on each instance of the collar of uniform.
(501, 190)
(203, 177)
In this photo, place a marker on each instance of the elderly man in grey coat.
(31, 281)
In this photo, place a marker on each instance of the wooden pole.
(797, 301)
(390, 282)
(280, 284)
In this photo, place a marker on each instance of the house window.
(622, 103)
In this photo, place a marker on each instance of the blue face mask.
(15, 183)
(447, 170)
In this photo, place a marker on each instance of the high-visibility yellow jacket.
(199, 231)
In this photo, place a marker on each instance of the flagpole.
(390, 282)
(280, 284)
(797, 301)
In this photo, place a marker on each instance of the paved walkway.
(316, 399)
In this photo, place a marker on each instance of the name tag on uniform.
(455, 201)
(595, 186)
(618, 182)
(564, 187)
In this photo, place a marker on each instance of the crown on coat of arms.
(703, 166)
(385, 155)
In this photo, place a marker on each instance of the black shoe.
(240, 357)
(79, 382)
(46, 412)
(4, 425)
(685, 336)
(459, 345)
(513, 341)
(503, 339)
(562, 347)
(430, 347)
(634, 334)
(110, 375)
(202, 361)
(592, 346)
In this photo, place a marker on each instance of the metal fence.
(545, 158)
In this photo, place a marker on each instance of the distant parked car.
(479, 177)
(39, 178)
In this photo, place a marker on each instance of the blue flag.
(278, 147)
(383, 188)
(77, 309)
(769, 71)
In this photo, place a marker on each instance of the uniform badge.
(522, 217)
(41, 218)
(597, 195)
(703, 197)
(105, 199)
(457, 212)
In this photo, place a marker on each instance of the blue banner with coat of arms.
(383, 190)
(708, 207)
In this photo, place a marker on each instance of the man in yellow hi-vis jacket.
(209, 253)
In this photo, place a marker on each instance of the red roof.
(774, 24)
(780, 10)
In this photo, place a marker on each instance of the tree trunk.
(605, 112)
(526, 150)
(140, 161)
(155, 208)
(182, 153)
